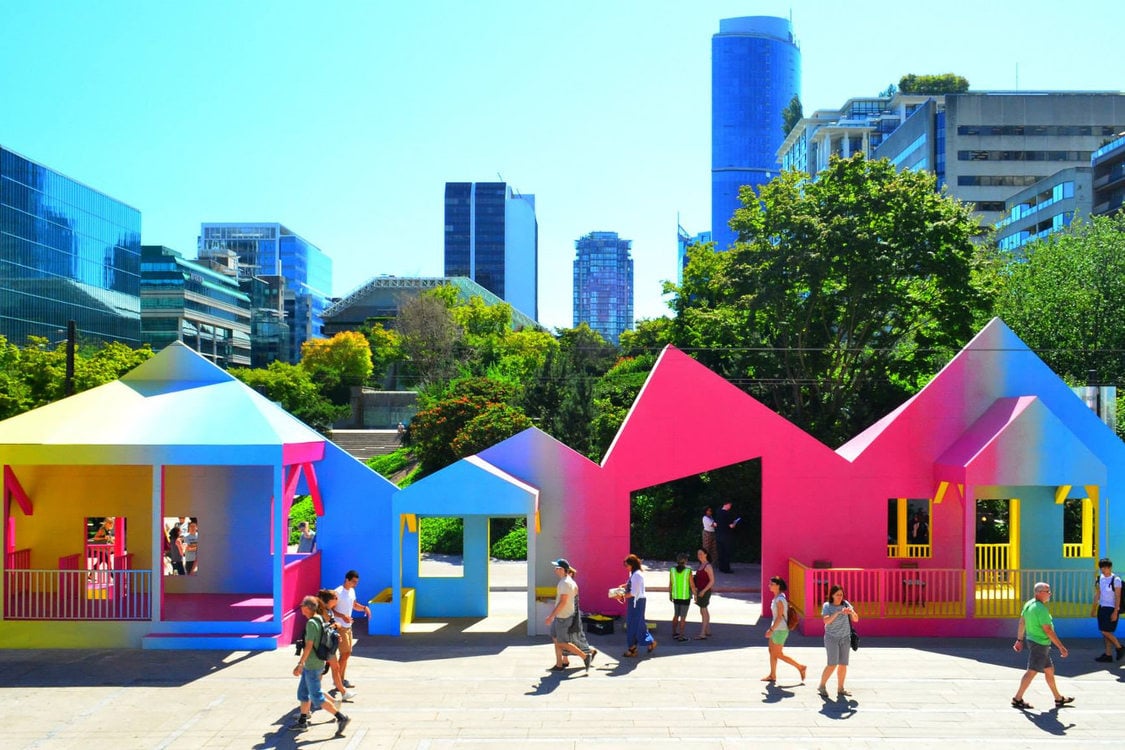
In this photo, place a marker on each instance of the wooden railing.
(18, 559)
(920, 551)
(77, 594)
(938, 592)
(992, 560)
(1071, 592)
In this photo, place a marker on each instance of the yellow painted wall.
(63, 496)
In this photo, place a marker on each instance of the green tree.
(791, 115)
(561, 400)
(436, 431)
(944, 83)
(386, 349)
(842, 296)
(293, 388)
(614, 394)
(337, 364)
(430, 336)
(1063, 296)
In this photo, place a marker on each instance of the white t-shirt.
(780, 603)
(570, 588)
(708, 523)
(345, 604)
(1107, 594)
(637, 585)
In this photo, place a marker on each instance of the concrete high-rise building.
(299, 271)
(755, 73)
(996, 150)
(1108, 165)
(189, 301)
(492, 237)
(67, 252)
(603, 284)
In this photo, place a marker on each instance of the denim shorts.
(309, 687)
(1038, 656)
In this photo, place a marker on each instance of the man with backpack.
(1107, 608)
(309, 669)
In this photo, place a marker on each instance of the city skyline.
(345, 125)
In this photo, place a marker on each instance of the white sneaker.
(348, 695)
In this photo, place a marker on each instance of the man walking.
(1036, 624)
(1107, 608)
(345, 605)
(309, 669)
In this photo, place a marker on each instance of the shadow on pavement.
(112, 667)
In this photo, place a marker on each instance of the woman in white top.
(636, 631)
(778, 632)
(710, 543)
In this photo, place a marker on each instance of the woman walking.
(837, 613)
(778, 631)
(701, 586)
(636, 631)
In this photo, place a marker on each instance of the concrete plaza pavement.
(483, 683)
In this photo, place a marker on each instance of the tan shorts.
(345, 641)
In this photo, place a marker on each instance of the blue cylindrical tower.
(755, 72)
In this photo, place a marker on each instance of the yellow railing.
(993, 564)
(1071, 592)
(911, 551)
(1071, 551)
(938, 592)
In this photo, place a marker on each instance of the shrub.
(513, 544)
(444, 536)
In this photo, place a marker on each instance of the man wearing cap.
(566, 593)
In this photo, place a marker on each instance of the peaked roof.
(961, 391)
(1007, 444)
(175, 408)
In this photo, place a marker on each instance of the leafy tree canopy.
(293, 388)
(344, 359)
(1063, 296)
(842, 296)
(791, 115)
(944, 83)
(436, 431)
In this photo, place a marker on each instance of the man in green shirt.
(1036, 626)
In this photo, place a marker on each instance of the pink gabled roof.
(687, 419)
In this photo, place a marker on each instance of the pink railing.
(19, 559)
(70, 594)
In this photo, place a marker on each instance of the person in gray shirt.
(837, 640)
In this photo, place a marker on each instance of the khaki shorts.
(345, 641)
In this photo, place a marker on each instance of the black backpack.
(328, 642)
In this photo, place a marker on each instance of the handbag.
(854, 636)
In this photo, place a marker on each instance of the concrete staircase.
(364, 444)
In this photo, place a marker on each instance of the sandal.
(631, 653)
(769, 678)
(558, 668)
(1020, 703)
(802, 670)
(702, 637)
(1064, 701)
(652, 646)
(823, 692)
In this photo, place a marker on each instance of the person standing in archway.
(725, 521)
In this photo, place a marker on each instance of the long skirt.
(636, 631)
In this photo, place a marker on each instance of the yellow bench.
(406, 612)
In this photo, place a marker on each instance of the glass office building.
(268, 250)
(67, 252)
(603, 284)
(492, 237)
(755, 73)
(183, 300)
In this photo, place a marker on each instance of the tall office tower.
(684, 240)
(299, 271)
(603, 284)
(192, 302)
(492, 237)
(67, 252)
(755, 73)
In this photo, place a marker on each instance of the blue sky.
(344, 120)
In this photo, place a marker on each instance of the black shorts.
(1105, 622)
